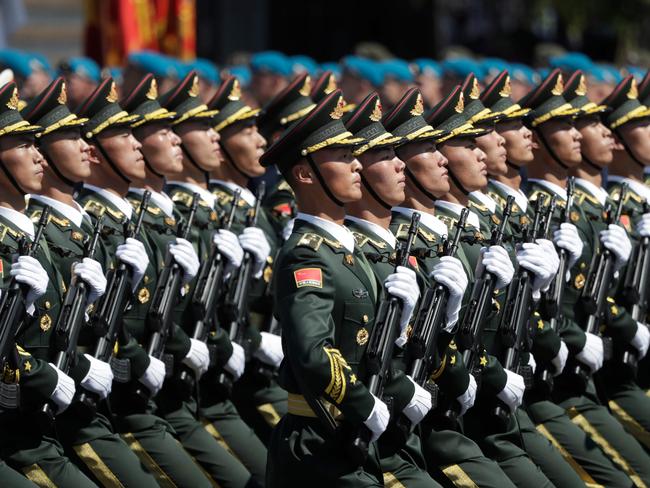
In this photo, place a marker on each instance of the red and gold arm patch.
(284, 210)
(413, 262)
(308, 277)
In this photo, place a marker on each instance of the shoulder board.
(310, 240)
(8, 231)
(223, 197)
(153, 210)
(182, 197)
(448, 221)
(402, 231)
(95, 208)
(360, 239)
(477, 206)
(332, 244)
(582, 195)
(284, 186)
(60, 222)
(497, 198)
(427, 236)
(535, 195)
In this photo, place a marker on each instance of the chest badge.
(362, 336)
(574, 216)
(45, 323)
(77, 236)
(495, 219)
(579, 282)
(349, 260)
(359, 293)
(143, 295)
(170, 221)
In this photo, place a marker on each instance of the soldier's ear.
(93, 154)
(302, 173)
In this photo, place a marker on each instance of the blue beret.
(525, 74)
(396, 68)
(461, 67)
(494, 66)
(243, 74)
(23, 63)
(426, 66)
(364, 68)
(302, 63)
(605, 73)
(571, 62)
(271, 61)
(82, 66)
(331, 66)
(155, 63)
(205, 68)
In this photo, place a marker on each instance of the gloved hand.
(198, 357)
(378, 419)
(419, 405)
(270, 350)
(468, 398)
(133, 253)
(63, 391)
(513, 393)
(288, 229)
(237, 361)
(154, 376)
(254, 241)
(29, 271)
(567, 238)
(616, 240)
(185, 255)
(229, 248)
(592, 354)
(91, 272)
(496, 260)
(403, 285)
(539, 262)
(99, 378)
(641, 339)
(532, 363)
(450, 273)
(559, 361)
(643, 225)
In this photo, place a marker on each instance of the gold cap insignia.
(507, 89)
(375, 116)
(13, 102)
(634, 92)
(582, 87)
(152, 94)
(418, 108)
(559, 86)
(460, 106)
(337, 113)
(112, 94)
(235, 93)
(63, 96)
(331, 84)
(306, 87)
(194, 90)
(474, 94)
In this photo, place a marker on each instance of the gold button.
(48, 305)
(365, 319)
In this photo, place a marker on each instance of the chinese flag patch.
(413, 262)
(283, 209)
(308, 277)
(625, 220)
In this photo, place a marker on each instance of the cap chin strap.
(628, 150)
(512, 165)
(457, 182)
(232, 161)
(11, 179)
(67, 181)
(206, 174)
(419, 186)
(549, 150)
(589, 162)
(373, 193)
(150, 168)
(110, 161)
(321, 180)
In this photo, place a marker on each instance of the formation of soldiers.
(448, 295)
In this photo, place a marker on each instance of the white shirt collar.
(338, 232)
(120, 203)
(19, 219)
(599, 192)
(203, 193)
(74, 213)
(246, 194)
(431, 222)
(472, 218)
(638, 187)
(161, 200)
(485, 200)
(520, 196)
(560, 192)
(385, 234)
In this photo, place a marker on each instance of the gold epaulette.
(182, 197)
(448, 221)
(95, 208)
(362, 239)
(581, 196)
(478, 206)
(631, 195)
(497, 198)
(310, 240)
(535, 194)
(223, 198)
(60, 222)
(284, 186)
(6, 230)
(402, 231)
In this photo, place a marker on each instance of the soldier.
(271, 70)
(450, 455)
(26, 445)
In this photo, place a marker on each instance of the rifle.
(599, 279)
(205, 298)
(165, 298)
(515, 319)
(236, 300)
(71, 319)
(379, 352)
(12, 312)
(107, 320)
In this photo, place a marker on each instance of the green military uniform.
(218, 415)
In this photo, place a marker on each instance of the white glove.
(419, 405)
(378, 419)
(496, 260)
(99, 378)
(154, 376)
(513, 393)
(198, 357)
(643, 225)
(185, 255)
(450, 273)
(254, 241)
(404, 285)
(132, 252)
(92, 273)
(288, 229)
(270, 350)
(229, 248)
(540, 262)
(532, 363)
(237, 361)
(468, 398)
(641, 339)
(567, 238)
(64, 391)
(592, 354)
(616, 240)
(559, 361)
(29, 271)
